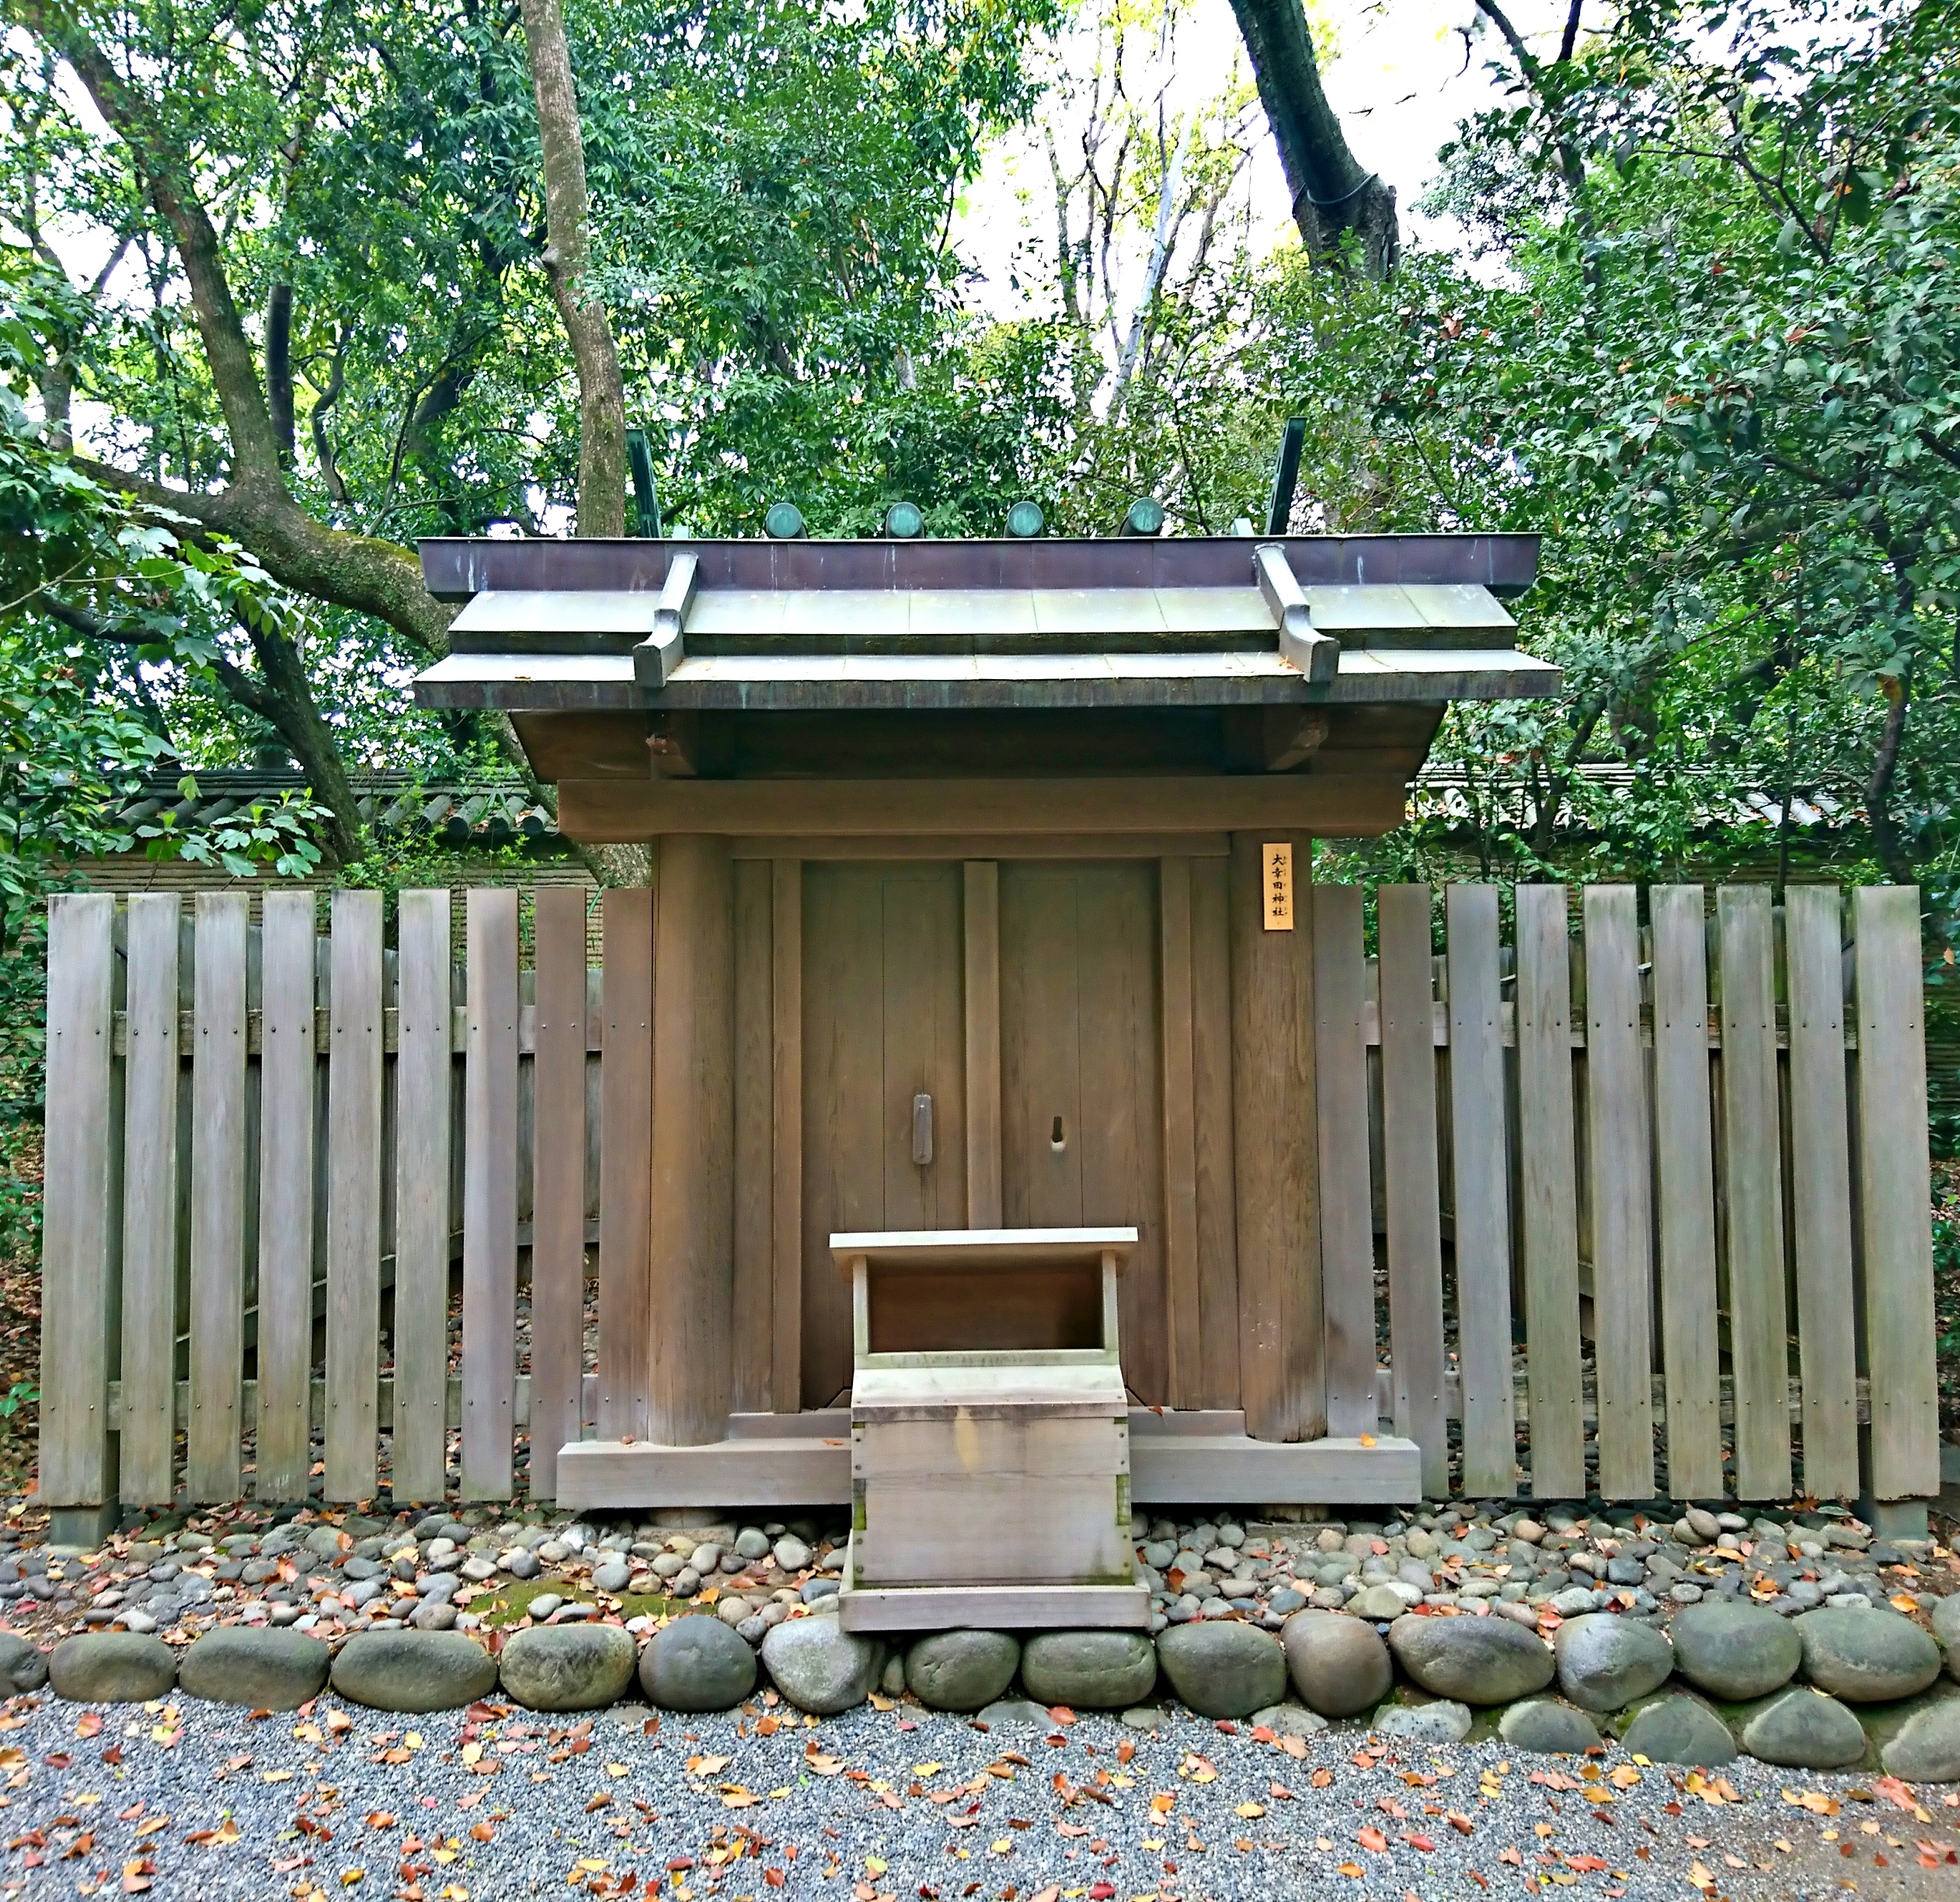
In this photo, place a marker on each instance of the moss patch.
(510, 1603)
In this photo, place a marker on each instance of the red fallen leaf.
(1587, 1864)
(1894, 1792)
(1371, 1838)
(88, 1724)
(1281, 1793)
(1061, 1714)
(1476, 1877)
(1102, 1892)
(481, 1832)
(113, 1755)
(58, 1759)
(1423, 1843)
(775, 1878)
(1459, 1822)
(1512, 1857)
(1261, 1734)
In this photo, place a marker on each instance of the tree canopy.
(291, 285)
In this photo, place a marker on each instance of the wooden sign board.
(1278, 884)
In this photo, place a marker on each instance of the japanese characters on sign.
(1278, 887)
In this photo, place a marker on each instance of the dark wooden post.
(690, 1303)
(1281, 1365)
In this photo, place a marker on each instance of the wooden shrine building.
(980, 901)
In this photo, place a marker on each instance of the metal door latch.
(922, 1128)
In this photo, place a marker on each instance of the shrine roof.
(763, 625)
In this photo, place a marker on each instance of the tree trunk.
(1332, 195)
(567, 259)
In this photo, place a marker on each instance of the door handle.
(922, 1128)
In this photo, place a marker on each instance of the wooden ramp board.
(985, 1607)
(805, 1459)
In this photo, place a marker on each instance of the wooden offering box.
(990, 1434)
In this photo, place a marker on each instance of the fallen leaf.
(1371, 1838)
(1249, 1810)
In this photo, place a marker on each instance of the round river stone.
(1475, 1660)
(569, 1668)
(1338, 1664)
(1803, 1729)
(1549, 1727)
(820, 1667)
(960, 1671)
(23, 1666)
(1604, 1661)
(1866, 1657)
(697, 1664)
(113, 1667)
(1925, 1747)
(1735, 1652)
(1680, 1729)
(1092, 1670)
(1222, 1668)
(262, 1669)
(413, 1670)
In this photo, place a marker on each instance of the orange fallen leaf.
(1371, 1838)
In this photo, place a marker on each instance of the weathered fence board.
(150, 1139)
(324, 1123)
(490, 1195)
(1752, 1185)
(1482, 1182)
(1684, 1173)
(1623, 1239)
(1409, 1166)
(288, 1087)
(1895, 1181)
(217, 1153)
(1347, 1224)
(423, 1092)
(354, 1214)
(1548, 1165)
(1820, 1190)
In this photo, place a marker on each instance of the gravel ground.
(190, 1798)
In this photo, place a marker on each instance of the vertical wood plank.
(1820, 1190)
(982, 915)
(1684, 1174)
(1409, 1172)
(755, 1056)
(786, 1180)
(490, 1194)
(149, 1320)
(79, 1217)
(1752, 1145)
(422, 1080)
(1211, 1023)
(354, 1194)
(1282, 1373)
(218, 1199)
(690, 1311)
(1186, 1369)
(1347, 1217)
(1481, 1175)
(558, 1248)
(923, 1046)
(288, 1084)
(1621, 1177)
(1545, 1141)
(625, 1161)
(1895, 1185)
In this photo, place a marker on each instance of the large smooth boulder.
(960, 1671)
(1475, 1660)
(1802, 1729)
(1735, 1652)
(262, 1670)
(1221, 1668)
(1339, 1665)
(1091, 1670)
(1946, 1631)
(569, 1668)
(1679, 1730)
(1604, 1662)
(113, 1667)
(697, 1664)
(820, 1667)
(1548, 1727)
(413, 1670)
(23, 1666)
(1925, 1747)
(1867, 1657)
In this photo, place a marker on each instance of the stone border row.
(1723, 1679)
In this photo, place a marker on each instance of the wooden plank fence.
(1651, 1177)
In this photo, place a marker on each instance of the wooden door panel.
(1080, 1040)
(882, 1019)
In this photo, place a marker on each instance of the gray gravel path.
(843, 1809)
